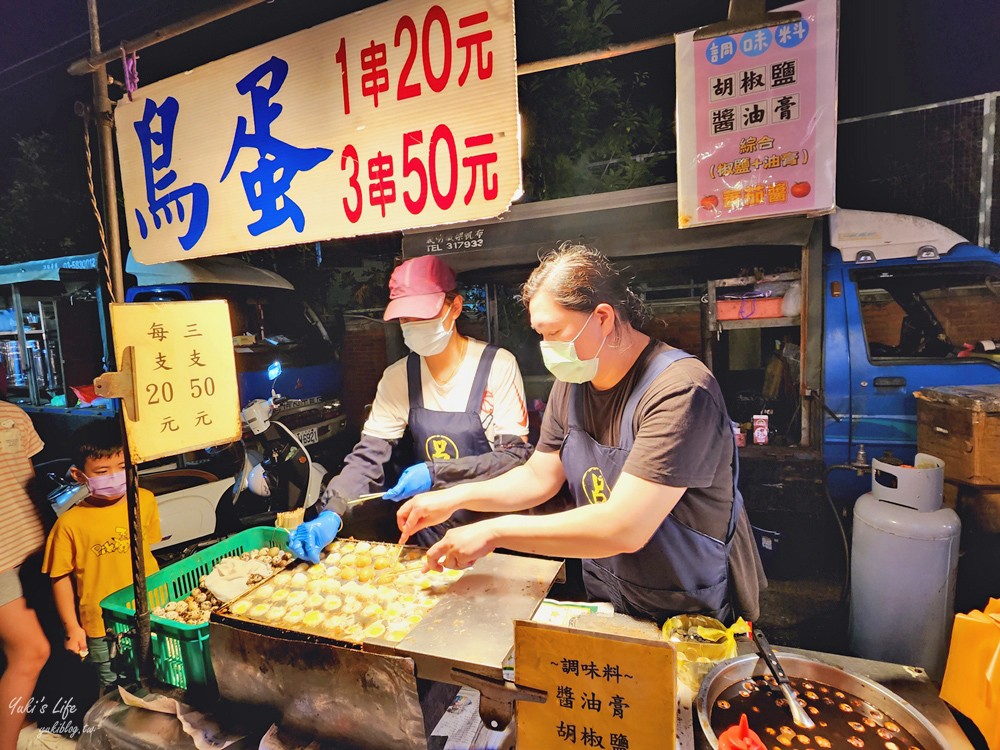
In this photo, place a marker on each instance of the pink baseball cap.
(417, 288)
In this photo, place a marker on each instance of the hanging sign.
(399, 116)
(757, 120)
(608, 691)
(183, 376)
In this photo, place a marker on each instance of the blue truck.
(907, 305)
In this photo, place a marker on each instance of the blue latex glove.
(309, 538)
(412, 481)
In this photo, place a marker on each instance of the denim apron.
(447, 435)
(680, 570)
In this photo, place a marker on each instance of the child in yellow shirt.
(88, 548)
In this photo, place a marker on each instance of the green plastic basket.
(180, 651)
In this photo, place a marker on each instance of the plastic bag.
(791, 303)
(701, 642)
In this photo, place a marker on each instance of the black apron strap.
(737, 497)
(482, 377)
(575, 413)
(414, 385)
(654, 369)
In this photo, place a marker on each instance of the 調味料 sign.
(757, 120)
(399, 116)
(610, 691)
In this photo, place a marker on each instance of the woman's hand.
(462, 547)
(426, 509)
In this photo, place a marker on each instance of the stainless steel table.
(323, 688)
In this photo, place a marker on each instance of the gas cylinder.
(903, 567)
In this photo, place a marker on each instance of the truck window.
(934, 312)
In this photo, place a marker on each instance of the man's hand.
(462, 547)
(76, 639)
(428, 509)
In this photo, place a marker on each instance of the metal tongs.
(799, 714)
(417, 564)
(365, 498)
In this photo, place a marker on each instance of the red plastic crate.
(745, 309)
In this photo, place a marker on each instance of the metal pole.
(611, 51)
(113, 258)
(87, 65)
(98, 59)
(986, 179)
(105, 136)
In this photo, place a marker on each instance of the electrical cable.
(845, 588)
(66, 61)
(82, 35)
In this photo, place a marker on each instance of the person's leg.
(26, 649)
(101, 657)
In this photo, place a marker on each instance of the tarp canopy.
(46, 269)
(205, 271)
(622, 224)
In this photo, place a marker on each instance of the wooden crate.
(961, 426)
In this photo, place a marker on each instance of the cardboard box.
(961, 425)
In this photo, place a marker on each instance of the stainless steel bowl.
(744, 667)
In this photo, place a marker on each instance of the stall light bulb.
(274, 370)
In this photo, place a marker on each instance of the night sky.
(893, 53)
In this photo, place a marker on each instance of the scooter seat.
(175, 480)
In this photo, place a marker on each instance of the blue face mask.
(561, 359)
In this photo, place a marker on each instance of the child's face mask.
(107, 486)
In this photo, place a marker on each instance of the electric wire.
(846, 587)
(66, 61)
(72, 39)
(106, 265)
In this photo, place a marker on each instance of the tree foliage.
(44, 207)
(587, 130)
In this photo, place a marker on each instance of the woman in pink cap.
(461, 400)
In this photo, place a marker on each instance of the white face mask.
(561, 359)
(427, 337)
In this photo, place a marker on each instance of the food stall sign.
(757, 120)
(183, 376)
(609, 691)
(402, 115)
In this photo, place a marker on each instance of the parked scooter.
(278, 473)
(63, 491)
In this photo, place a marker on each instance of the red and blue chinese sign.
(403, 115)
(757, 120)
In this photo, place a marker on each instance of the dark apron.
(447, 435)
(680, 570)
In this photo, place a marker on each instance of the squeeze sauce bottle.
(741, 737)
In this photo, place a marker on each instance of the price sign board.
(402, 115)
(184, 376)
(606, 691)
